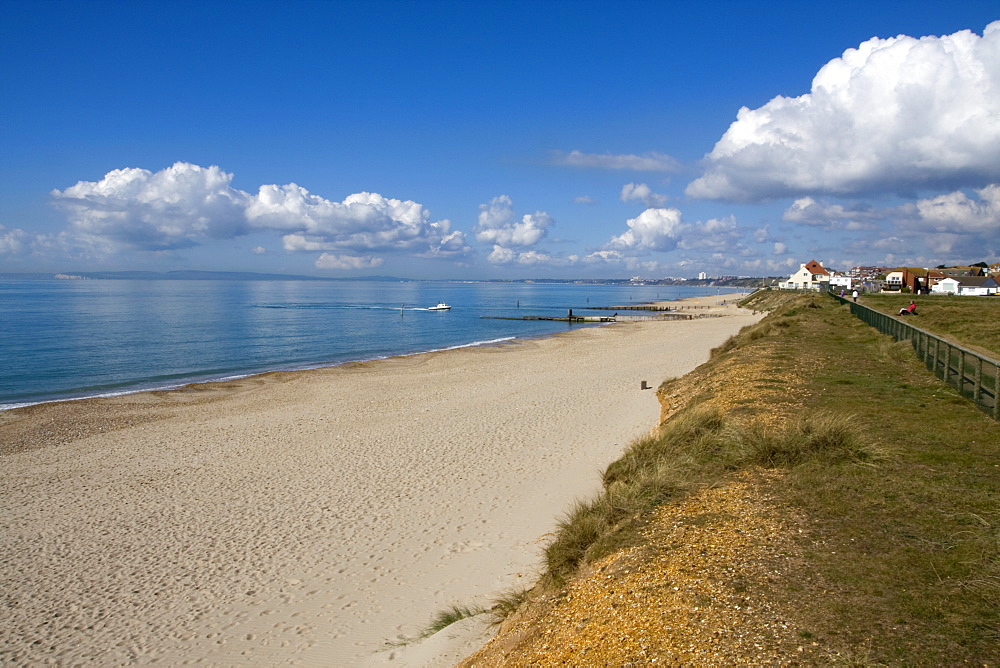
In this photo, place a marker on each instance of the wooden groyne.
(575, 318)
(595, 318)
(648, 307)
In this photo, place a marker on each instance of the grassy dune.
(888, 483)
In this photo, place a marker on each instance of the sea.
(71, 339)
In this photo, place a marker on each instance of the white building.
(894, 281)
(810, 276)
(841, 281)
(981, 286)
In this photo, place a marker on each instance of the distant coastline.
(197, 275)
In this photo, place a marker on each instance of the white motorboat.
(440, 307)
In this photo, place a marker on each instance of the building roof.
(962, 271)
(815, 267)
(971, 281)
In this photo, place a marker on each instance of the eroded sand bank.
(309, 517)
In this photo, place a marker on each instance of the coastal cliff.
(757, 547)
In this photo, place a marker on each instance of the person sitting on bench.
(909, 310)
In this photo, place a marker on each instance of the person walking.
(854, 295)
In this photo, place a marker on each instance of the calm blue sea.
(66, 339)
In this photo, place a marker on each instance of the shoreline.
(312, 516)
(139, 387)
(195, 380)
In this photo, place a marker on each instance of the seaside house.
(918, 279)
(811, 275)
(977, 285)
(911, 279)
(967, 285)
(933, 276)
(946, 286)
(894, 281)
(842, 281)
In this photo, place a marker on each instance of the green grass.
(970, 321)
(441, 621)
(898, 478)
(508, 603)
(696, 448)
(912, 544)
(449, 616)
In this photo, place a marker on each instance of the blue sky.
(498, 139)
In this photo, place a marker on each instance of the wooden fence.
(975, 376)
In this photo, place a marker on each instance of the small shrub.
(581, 527)
(508, 603)
(823, 437)
(446, 618)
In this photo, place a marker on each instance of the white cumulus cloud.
(185, 204)
(651, 230)
(362, 222)
(351, 262)
(498, 225)
(142, 210)
(957, 212)
(501, 255)
(14, 242)
(808, 211)
(889, 115)
(715, 234)
(643, 193)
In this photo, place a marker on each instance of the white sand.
(310, 517)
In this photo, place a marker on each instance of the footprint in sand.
(466, 546)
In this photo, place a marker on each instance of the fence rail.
(975, 376)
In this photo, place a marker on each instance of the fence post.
(996, 391)
(977, 381)
(947, 363)
(960, 382)
(935, 352)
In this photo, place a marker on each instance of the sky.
(498, 140)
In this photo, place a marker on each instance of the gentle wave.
(223, 379)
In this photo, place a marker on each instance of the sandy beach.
(310, 517)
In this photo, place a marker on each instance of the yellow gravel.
(713, 583)
(699, 592)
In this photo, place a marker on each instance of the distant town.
(978, 279)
